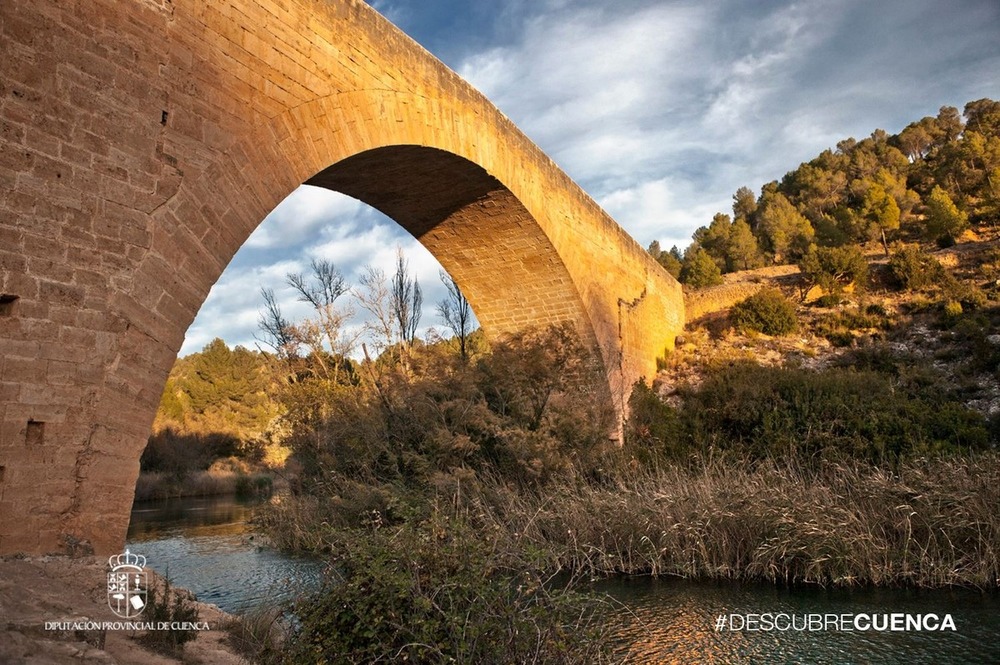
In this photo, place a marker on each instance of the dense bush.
(913, 269)
(527, 412)
(767, 312)
(178, 454)
(839, 327)
(653, 425)
(439, 592)
(799, 415)
(833, 268)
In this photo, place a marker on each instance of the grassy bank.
(930, 523)
(159, 485)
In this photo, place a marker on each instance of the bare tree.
(457, 314)
(328, 329)
(373, 296)
(328, 284)
(277, 331)
(407, 299)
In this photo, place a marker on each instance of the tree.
(782, 229)
(277, 331)
(406, 298)
(457, 313)
(983, 117)
(527, 369)
(895, 186)
(945, 222)
(373, 296)
(670, 260)
(745, 205)
(714, 239)
(815, 189)
(949, 123)
(223, 390)
(327, 331)
(881, 211)
(833, 268)
(699, 269)
(743, 252)
(915, 141)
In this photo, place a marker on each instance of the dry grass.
(259, 634)
(927, 523)
(157, 485)
(930, 523)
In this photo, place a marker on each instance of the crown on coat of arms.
(127, 560)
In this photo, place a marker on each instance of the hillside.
(944, 327)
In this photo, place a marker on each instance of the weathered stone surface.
(141, 142)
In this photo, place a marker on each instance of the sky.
(659, 109)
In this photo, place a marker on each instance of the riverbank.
(158, 485)
(925, 523)
(37, 590)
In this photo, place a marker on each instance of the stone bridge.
(142, 141)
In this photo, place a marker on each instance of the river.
(206, 545)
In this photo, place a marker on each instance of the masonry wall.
(142, 141)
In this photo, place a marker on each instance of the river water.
(207, 546)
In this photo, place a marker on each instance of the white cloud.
(300, 216)
(665, 210)
(342, 230)
(592, 85)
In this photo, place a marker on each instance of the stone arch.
(477, 229)
(140, 145)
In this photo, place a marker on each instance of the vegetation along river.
(206, 545)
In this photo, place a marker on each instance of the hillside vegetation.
(931, 182)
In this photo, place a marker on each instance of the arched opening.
(462, 215)
(480, 232)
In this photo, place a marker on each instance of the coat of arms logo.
(127, 584)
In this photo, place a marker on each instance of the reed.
(924, 523)
(928, 523)
(159, 485)
(258, 634)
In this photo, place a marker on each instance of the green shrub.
(969, 296)
(767, 311)
(440, 592)
(172, 607)
(945, 222)
(833, 268)
(830, 300)
(838, 327)
(699, 269)
(877, 309)
(652, 424)
(952, 310)
(788, 413)
(256, 486)
(913, 269)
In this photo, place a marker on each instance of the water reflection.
(672, 621)
(206, 545)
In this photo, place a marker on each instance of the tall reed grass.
(158, 485)
(926, 523)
